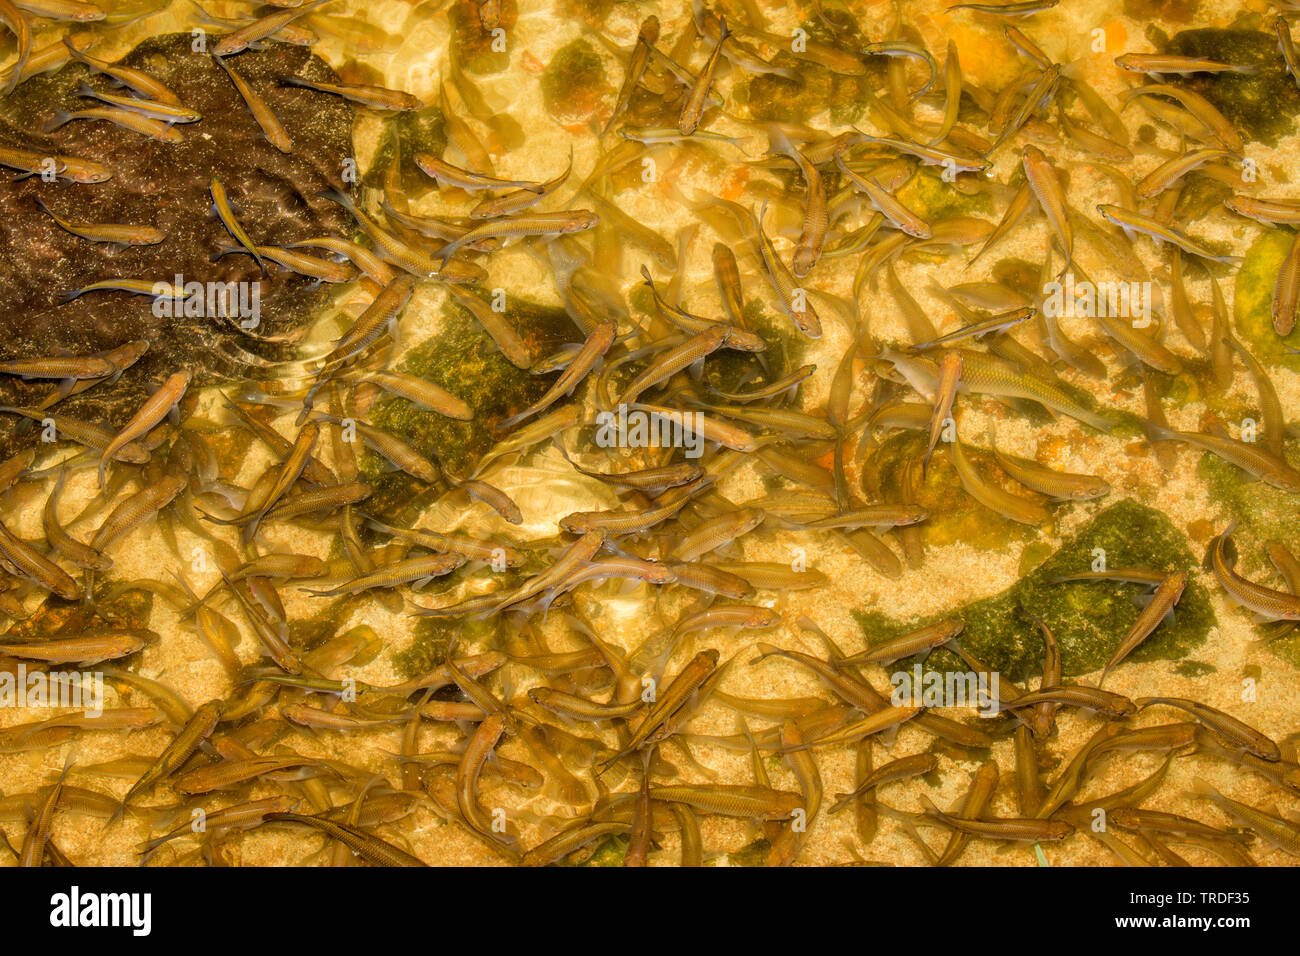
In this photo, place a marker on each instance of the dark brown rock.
(166, 185)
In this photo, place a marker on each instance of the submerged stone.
(1262, 103)
(574, 83)
(166, 185)
(1253, 300)
(1088, 618)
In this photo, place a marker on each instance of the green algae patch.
(1262, 103)
(126, 606)
(405, 135)
(1264, 511)
(574, 84)
(464, 360)
(1088, 618)
(432, 638)
(609, 852)
(933, 199)
(1287, 648)
(1253, 300)
(1194, 669)
(752, 854)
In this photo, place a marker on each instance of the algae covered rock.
(461, 358)
(1253, 300)
(1088, 618)
(1264, 512)
(1262, 103)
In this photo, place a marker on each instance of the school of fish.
(556, 737)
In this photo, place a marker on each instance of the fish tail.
(59, 118)
(335, 195)
(118, 813)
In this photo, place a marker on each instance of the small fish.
(945, 393)
(272, 128)
(1023, 9)
(127, 119)
(1277, 832)
(1286, 45)
(260, 29)
(1258, 462)
(60, 367)
(507, 339)
(1171, 63)
(164, 112)
(1046, 185)
(221, 202)
(142, 83)
(898, 48)
(697, 98)
(132, 286)
(795, 301)
(958, 162)
(1046, 481)
(1162, 604)
(196, 730)
(674, 360)
(422, 392)
(1268, 603)
(1089, 698)
(20, 558)
(90, 647)
(916, 642)
(1005, 503)
(325, 270)
(520, 199)
(670, 699)
(74, 10)
(591, 353)
(813, 235)
(646, 39)
(889, 206)
(653, 136)
(121, 235)
(136, 509)
(375, 97)
(1172, 170)
(147, 416)
(1286, 292)
(1265, 210)
(732, 800)
(13, 18)
(59, 540)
